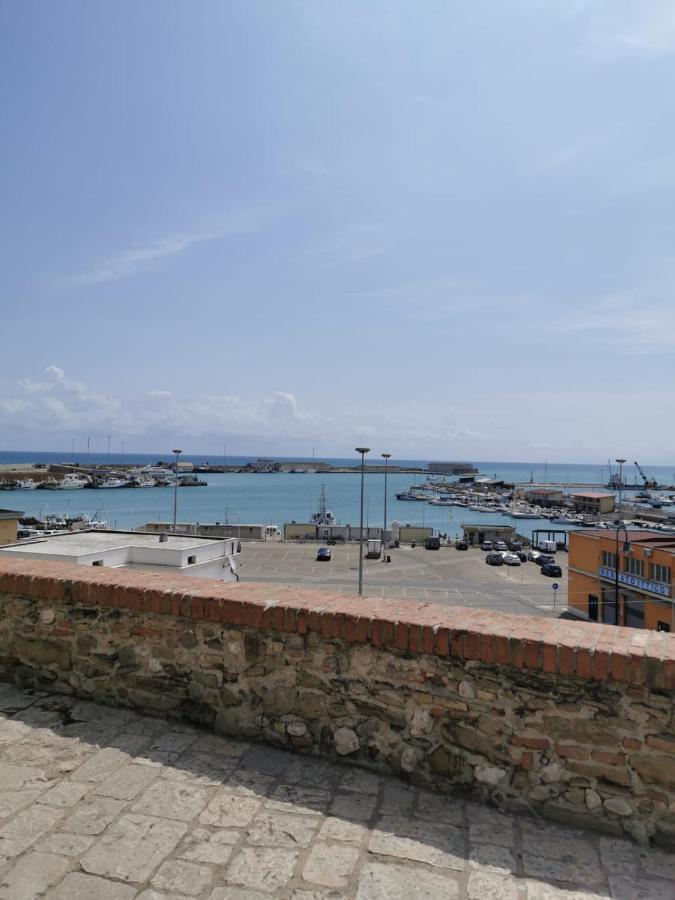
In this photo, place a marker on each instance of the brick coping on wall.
(582, 649)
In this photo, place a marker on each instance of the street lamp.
(626, 549)
(386, 457)
(620, 462)
(362, 451)
(175, 490)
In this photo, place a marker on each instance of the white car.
(510, 559)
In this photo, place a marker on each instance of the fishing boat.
(69, 482)
(25, 484)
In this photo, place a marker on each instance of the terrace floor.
(105, 804)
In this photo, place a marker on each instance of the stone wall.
(569, 719)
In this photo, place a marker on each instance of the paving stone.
(394, 882)
(540, 890)
(133, 847)
(277, 829)
(208, 845)
(172, 800)
(486, 886)
(437, 845)
(93, 816)
(65, 844)
(130, 744)
(178, 876)
(262, 868)
(292, 798)
(330, 865)
(100, 765)
(174, 741)
(12, 730)
(359, 807)
(233, 893)
(560, 845)
(312, 773)
(152, 894)
(126, 783)
(492, 858)
(12, 700)
(13, 801)
(487, 826)
(658, 862)
(625, 888)
(267, 760)
(341, 830)
(618, 857)
(26, 827)
(249, 783)
(77, 886)
(199, 768)
(360, 781)
(439, 808)
(229, 810)
(23, 778)
(67, 793)
(397, 799)
(212, 744)
(32, 875)
(578, 872)
(316, 894)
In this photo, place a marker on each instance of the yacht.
(25, 484)
(70, 482)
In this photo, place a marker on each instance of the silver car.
(511, 559)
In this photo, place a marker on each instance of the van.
(547, 546)
(432, 543)
(271, 531)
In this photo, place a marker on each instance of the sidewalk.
(104, 804)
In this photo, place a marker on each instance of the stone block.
(654, 769)
(379, 881)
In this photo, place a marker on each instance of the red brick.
(600, 665)
(401, 636)
(526, 760)
(566, 660)
(631, 744)
(501, 649)
(532, 743)
(584, 663)
(661, 743)
(612, 759)
(442, 641)
(571, 751)
(550, 658)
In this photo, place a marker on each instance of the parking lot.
(447, 576)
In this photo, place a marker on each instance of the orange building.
(645, 575)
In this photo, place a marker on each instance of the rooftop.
(593, 495)
(105, 803)
(77, 542)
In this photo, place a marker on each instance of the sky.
(442, 229)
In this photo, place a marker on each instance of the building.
(236, 530)
(196, 556)
(645, 578)
(595, 503)
(474, 535)
(9, 523)
(451, 468)
(545, 497)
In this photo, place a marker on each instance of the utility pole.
(109, 449)
(362, 451)
(386, 457)
(175, 491)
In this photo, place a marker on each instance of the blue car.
(323, 555)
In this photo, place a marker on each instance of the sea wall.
(571, 720)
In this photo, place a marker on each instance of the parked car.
(510, 559)
(486, 545)
(543, 559)
(494, 559)
(323, 554)
(522, 555)
(553, 570)
(461, 545)
(515, 546)
(533, 555)
(500, 546)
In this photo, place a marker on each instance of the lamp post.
(626, 549)
(362, 451)
(620, 462)
(175, 490)
(386, 457)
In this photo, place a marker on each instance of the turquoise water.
(280, 497)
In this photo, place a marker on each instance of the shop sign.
(633, 581)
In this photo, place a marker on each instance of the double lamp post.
(386, 457)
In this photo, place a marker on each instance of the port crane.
(648, 482)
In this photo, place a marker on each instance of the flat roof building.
(9, 522)
(645, 574)
(196, 556)
(594, 502)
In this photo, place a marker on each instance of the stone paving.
(104, 804)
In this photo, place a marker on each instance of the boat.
(412, 494)
(25, 484)
(323, 516)
(111, 482)
(69, 482)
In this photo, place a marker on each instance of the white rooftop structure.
(196, 556)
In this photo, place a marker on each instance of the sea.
(280, 497)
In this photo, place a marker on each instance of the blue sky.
(442, 228)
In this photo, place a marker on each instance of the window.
(192, 560)
(659, 573)
(608, 607)
(634, 612)
(592, 608)
(97, 562)
(609, 559)
(662, 626)
(634, 566)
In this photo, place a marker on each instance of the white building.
(198, 556)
